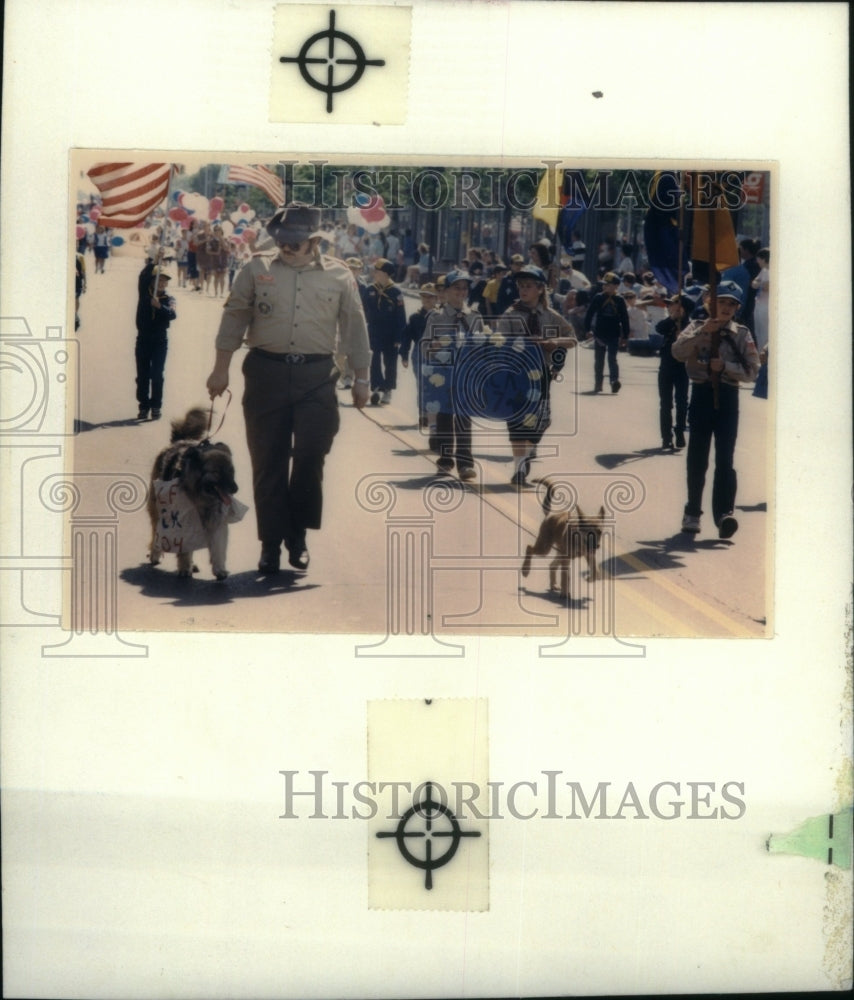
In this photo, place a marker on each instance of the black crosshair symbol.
(430, 811)
(330, 61)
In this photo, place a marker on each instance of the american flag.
(129, 191)
(260, 177)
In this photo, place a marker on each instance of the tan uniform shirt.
(693, 348)
(315, 309)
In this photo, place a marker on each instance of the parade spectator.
(386, 317)
(446, 328)
(79, 285)
(761, 285)
(541, 254)
(154, 312)
(193, 234)
(744, 274)
(713, 410)
(411, 342)
(508, 292)
(182, 247)
(424, 263)
(490, 291)
(639, 330)
(573, 277)
(293, 308)
(576, 312)
(477, 288)
(219, 256)
(607, 319)
(554, 336)
(672, 375)
(101, 247)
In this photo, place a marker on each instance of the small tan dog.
(571, 534)
(205, 474)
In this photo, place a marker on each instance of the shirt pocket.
(326, 302)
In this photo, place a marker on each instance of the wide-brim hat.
(428, 289)
(454, 276)
(295, 223)
(610, 279)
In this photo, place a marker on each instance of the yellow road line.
(674, 625)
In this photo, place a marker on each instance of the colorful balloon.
(116, 241)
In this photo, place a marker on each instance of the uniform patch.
(265, 278)
(265, 308)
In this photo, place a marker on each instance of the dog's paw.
(185, 573)
(154, 558)
(221, 574)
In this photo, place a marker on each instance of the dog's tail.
(193, 427)
(548, 495)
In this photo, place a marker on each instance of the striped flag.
(260, 177)
(130, 191)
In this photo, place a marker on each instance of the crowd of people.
(321, 308)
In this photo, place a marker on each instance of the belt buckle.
(294, 359)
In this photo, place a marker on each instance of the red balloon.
(249, 235)
(373, 214)
(81, 232)
(178, 215)
(215, 208)
(94, 212)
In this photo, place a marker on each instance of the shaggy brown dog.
(205, 473)
(571, 534)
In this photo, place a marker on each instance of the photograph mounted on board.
(519, 397)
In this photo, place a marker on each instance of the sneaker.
(616, 386)
(691, 524)
(385, 399)
(143, 413)
(728, 526)
(156, 414)
(518, 478)
(345, 383)
(467, 475)
(597, 387)
(680, 439)
(375, 398)
(667, 445)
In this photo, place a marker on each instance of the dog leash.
(222, 421)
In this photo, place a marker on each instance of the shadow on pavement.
(197, 591)
(617, 459)
(81, 426)
(756, 508)
(554, 597)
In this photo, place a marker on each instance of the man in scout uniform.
(293, 307)
(608, 319)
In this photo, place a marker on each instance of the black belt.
(291, 358)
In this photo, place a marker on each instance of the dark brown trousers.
(291, 414)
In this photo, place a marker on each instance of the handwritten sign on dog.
(179, 527)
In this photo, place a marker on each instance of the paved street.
(404, 551)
